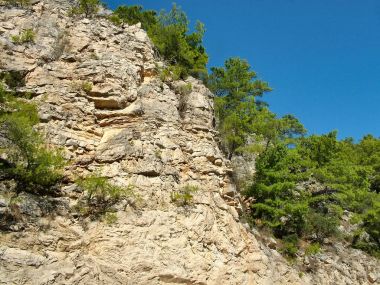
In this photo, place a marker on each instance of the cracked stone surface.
(99, 99)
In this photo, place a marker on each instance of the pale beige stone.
(128, 128)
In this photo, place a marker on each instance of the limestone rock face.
(99, 99)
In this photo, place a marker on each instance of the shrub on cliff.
(185, 195)
(25, 157)
(132, 15)
(88, 8)
(321, 225)
(101, 194)
(171, 36)
(26, 36)
(371, 228)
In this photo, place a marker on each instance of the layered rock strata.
(100, 99)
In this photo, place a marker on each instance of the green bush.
(185, 89)
(88, 8)
(184, 92)
(34, 166)
(371, 227)
(4, 95)
(110, 218)
(101, 194)
(313, 249)
(13, 78)
(132, 15)
(170, 73)
(169, 31)
(320, 226)
(26, 36)
(185, 195)
(290, 246)
(371, 223)
(101, 190)
(86, 86)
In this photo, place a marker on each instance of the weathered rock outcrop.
(99, 99)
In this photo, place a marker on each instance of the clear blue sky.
(322, 57)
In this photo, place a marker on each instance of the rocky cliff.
(100, 99)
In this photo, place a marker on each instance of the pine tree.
(236, 88)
